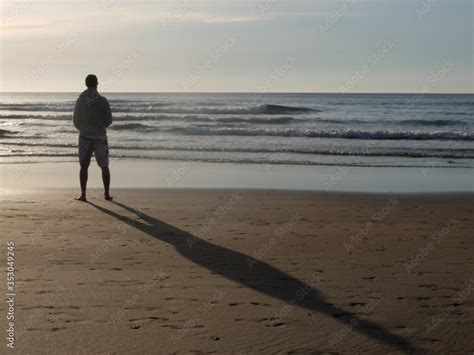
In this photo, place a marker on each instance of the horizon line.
(246, 92)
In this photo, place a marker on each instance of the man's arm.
(76, 117)
(108, 114)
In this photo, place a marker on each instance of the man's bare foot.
(81, 198)
(108, 197)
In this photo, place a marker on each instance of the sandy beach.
(236, 177)
(239, 271)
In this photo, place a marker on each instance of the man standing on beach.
(92, 116)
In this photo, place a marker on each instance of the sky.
(238, 45)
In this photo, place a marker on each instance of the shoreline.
(187, 174)
(97, 192)
(73, 159)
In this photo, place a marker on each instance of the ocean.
(390, 130)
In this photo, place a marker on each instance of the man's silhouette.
(92, 116)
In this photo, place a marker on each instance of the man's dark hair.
(91, 81)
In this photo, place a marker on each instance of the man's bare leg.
(106, 181)
(83, 175)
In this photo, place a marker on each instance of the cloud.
(222, 18)
(23, 26)
(52, 20)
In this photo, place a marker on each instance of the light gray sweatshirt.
(92, 115)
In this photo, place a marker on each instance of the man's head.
(91, 81)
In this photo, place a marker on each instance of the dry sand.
(191, 271)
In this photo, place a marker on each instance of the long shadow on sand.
(255, 275)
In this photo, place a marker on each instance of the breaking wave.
(345, 134)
